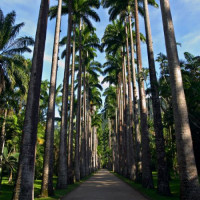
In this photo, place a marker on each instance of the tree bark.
(83, 144)
(90, 140)
(147, 180)
(121, 131)
(24, 184)
(87, 107)
(125, 107)
(70, 138)
(47, 180)
(187, 167)
(2, 144)
(130, 151)
(136, 111)
(78, 117)
(62, 166)
(116, 143)
(163, 177)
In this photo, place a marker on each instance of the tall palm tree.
(13, 96)
(62, 169)
(135, 103)
(163, 178)
(113, 69)
(130, 151)
(114, 40)
(10, 46)
(24, 184)
(47, 181)
(122, 9)
(190, 188)
(81, 10)
(70, 138)
(147, 179)
(110, 111)
(93, 97)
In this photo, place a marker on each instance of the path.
(104, 186)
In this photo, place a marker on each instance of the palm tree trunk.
(87, 108)
(70, 138)
(24, 185)
(10, 176)
(2, 143)
(62, 166)
(2, 82)
(83, 144)
(125, 105)
(78, 117)
(163, 177)
(130, 150)
(96, 145)
(119, 127)
(121, 154)
(116, 143)
(147, 180)
(135, 108)
(109, 135)
(90, 139)
(47, 180)
(187, 167)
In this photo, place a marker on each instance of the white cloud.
(61, 64)
(104, 85)
(48, 58)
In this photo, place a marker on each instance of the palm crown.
(10, 46)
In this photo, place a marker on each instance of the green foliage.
(11, 49)
(103, 147)
(191, 81)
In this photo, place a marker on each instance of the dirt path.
(104, 186)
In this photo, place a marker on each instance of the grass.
(152, 193)
(7, 189)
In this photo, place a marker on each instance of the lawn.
(7, 189)
(152, 193)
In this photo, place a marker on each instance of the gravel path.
(104, 186)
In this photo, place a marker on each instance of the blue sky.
(185, 15)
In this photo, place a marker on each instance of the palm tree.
(82, 15)
(81, 10)
(113, 69)
(130, 151)
(147, 180)
(92, 98)
(122, 9)
(90, 41)
(135, 104)
(10, 46)
(24, 184)
(47, 181)
(163, 178)
(187, 167)
(70, 138)
(12, 97)
(114, 40)
(62, 169)
(110, 111)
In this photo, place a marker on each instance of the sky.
(185, 14)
